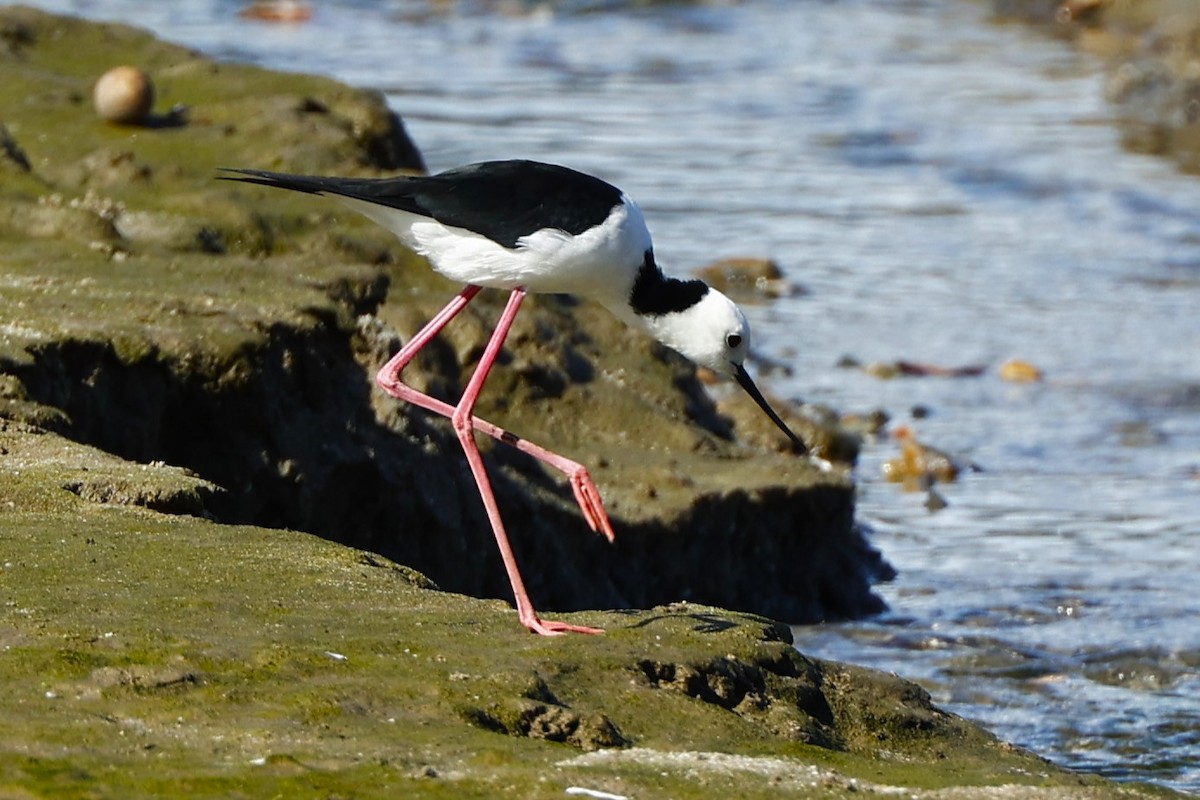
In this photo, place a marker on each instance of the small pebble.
(1017, 371)
(277, 11)
(124, 94)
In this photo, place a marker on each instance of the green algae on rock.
(182, 359)
(152, 655)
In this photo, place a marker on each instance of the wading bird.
(524, 226)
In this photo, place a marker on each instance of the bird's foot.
(588, 497)
(547, 627)
(820, 463)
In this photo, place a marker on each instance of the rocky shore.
(168, 316)
(204, 503)
(1152, 52)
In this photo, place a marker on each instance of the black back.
(502, 200)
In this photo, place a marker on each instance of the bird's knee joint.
(462, 424)
(387, 379)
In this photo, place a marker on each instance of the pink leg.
(388, 378)
(465, 424)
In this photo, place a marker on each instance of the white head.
(713, 332)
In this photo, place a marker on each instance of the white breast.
(601, 262)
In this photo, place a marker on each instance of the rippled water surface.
(949, 191)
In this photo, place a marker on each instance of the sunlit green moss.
(145, 654)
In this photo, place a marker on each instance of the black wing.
(502, 200)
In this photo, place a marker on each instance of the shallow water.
(948, 191)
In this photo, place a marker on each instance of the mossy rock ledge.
(185, 387)
(162, 315)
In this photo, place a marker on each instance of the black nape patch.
(654, 295)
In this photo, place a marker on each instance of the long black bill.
(743, 378)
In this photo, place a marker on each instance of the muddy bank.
(1152, 49)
